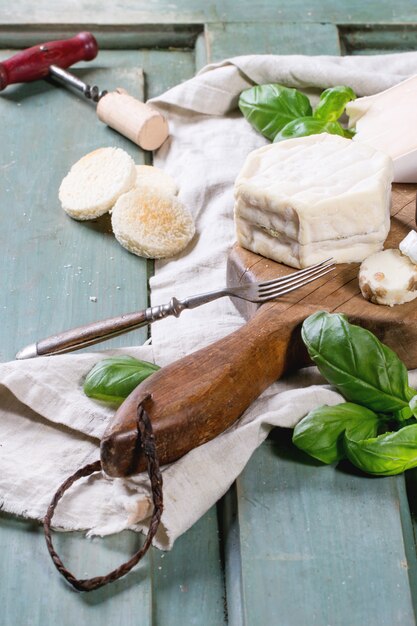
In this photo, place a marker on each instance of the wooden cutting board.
(338, 291)
(194, 399)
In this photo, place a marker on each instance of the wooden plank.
(340, 572)
(223, 40)
(200, 11)
(378, 39)
(46, 236)
(69, 272)
(320, 545)
(75, 262)
(228, 513)
(187, 582)
(131, 37)
(33, 593)
(165, 68)
(165, 588)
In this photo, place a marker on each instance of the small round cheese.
(151, 224)
(388, 277)
(94, 183)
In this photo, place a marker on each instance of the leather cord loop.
(147, 445)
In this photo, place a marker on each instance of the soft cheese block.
(303, 200)
(387, 121)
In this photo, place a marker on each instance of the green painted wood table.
(292, 543)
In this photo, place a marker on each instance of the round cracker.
(94, 183)
(152, 225)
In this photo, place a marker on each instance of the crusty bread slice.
(151, 224)
(150, 177)
(94, 183)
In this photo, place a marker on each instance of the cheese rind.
(302, 200)
(388, 277)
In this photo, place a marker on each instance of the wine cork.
(136, 120)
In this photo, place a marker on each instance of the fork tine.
(295, 279)
(281, 291)
(286, 279)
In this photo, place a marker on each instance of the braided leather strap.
(147, 441)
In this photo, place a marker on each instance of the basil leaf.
(349, 133)
(270, 107)
(304, 126)
(386, 455)
(332, 103)
(352, 359)
(113, 379)
(320, 433)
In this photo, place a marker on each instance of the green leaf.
(270, 107)
(113, 379)
(332, 103)
(386, 455)
(320, 433)
(304, 126)
(352, 359)
(349, 133)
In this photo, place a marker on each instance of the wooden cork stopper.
(136, 120)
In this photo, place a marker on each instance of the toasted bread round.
(151, 224)
(150, 177)
(94, 183)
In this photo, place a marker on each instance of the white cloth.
(48, 428)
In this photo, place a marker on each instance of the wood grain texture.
(339, 291)
(54, 264)
(187, 584)
(343, 541)
(321, 545)
(227, 40)
(374, 39)
(51, 260)
(164, 587)
(189, 401)
(199, 11)
(109, 36)
(294, 590)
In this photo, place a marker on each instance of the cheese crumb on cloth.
(48, 428)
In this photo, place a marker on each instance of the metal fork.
(83, 336)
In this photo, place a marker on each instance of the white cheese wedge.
(387, 121)
(388, 277)
(304, 200)
(408, 246)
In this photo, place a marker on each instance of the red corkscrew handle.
(33, 63)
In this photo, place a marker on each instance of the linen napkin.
(48, 428)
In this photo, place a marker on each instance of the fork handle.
(199, 396)
(90, 334)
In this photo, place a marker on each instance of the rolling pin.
(137, 121)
